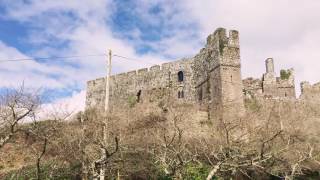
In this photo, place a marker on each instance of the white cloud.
(31, 73)
(63, 108)
(287, 30)
(87, 33)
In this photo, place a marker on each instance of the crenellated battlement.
(271, 85)
(310, 92)
(138, 72)
(220, 39)
(305, 86)
(212, 78)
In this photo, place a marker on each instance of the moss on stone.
(285, 74)
(221, 46)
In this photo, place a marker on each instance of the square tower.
(225, 74)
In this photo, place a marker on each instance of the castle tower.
(269, 65)
(225, 74)
(269, 77)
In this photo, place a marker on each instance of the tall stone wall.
(211, 79)
(310, 92)
(218, 74)
(140, 85)
(252, 87)
(270, 85)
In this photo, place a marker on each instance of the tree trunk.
(40, 157)
(213, 171)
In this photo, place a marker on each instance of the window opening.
(180, 76)
(138, 96)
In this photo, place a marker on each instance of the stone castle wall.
(218, 74)
(270, 85)
(310, 92)
(211, 79)
(139, 85)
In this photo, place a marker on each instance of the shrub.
(285, 74)
(132, 101)
(196, 172)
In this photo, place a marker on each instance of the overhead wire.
(132, 59)
(49, 58)
(97, 55)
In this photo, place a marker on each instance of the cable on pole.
(132, 59)
(48, 58)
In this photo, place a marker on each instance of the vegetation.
(132, 101)
(252, 104)
(272, 141)
(285, 74)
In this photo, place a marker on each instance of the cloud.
(286, 30)
(81, 28)
(13, 75)
(155, 32)
(63, 108)
(62, 28)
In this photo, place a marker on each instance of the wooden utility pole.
(106, 106)
(106, 109)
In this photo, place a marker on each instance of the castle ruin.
(270, 86)
(211, 81)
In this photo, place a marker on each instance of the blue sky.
(152, 31)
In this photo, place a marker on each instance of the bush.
(47, 172)
(285, 74)
(132, 101)
(252, 104)
(196, 172)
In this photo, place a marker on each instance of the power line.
(132, 59)
(48, 58)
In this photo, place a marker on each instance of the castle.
(211, 80)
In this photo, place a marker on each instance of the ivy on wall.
(285, 74)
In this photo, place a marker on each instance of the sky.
(152, 32)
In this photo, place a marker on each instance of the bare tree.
(259, 145)
(170, 148)
(16, 105)
(43, 132)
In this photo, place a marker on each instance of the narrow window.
(138, 96)
(180, 94)
(200, 94)
(180, 76)
(231, 78)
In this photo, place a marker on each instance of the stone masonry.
(271, 86)
(310, 92)
(210, 81)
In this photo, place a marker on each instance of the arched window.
(180, 76)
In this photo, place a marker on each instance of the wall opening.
(180, 94)
(138, 96)
(180, 76)
(200, 96)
